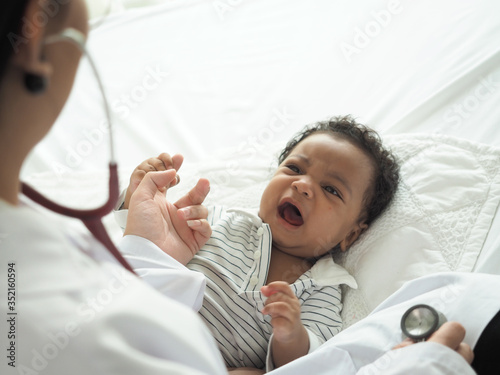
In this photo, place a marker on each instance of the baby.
(273, 291)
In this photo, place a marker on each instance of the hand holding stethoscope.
(419, 322)
(424, 323)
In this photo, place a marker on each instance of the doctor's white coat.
(72, 314)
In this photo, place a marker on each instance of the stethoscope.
(419, 322)
(91, 218)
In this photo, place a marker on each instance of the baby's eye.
(332, 190)
(293, 168)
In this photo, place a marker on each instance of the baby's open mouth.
(291, 214)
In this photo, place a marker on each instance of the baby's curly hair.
(386, 176)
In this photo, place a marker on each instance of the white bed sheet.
(181, 78)
(194, 78)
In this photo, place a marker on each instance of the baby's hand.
(290, 339)
(284, 307)
(161, 163)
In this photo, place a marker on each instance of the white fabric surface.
(184, 77)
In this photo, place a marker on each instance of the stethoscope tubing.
(91, 218)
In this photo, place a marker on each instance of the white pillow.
(439, 219)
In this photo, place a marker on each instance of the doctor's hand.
(180, 229)
(450, 334)
(161, 163)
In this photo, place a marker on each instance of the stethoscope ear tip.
(70, 34)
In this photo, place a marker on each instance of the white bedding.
(227, 86)
(438, 222)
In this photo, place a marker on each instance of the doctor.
(66, 307)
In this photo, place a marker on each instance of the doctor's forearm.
(162, 272)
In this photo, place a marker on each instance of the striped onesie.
(235, 262)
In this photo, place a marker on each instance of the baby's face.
(313, 201)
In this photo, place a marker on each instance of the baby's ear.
(353, 236)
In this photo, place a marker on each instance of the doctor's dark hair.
(386, 176)
(11, 13)
(15, 28)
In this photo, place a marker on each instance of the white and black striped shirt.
(235, 261)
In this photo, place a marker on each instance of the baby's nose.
(304, 187)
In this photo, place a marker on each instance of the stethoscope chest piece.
(419, 322)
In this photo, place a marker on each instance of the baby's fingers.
(283, 320)
(170, 162)
(163, 162)
(278, 309)
(277, 287)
